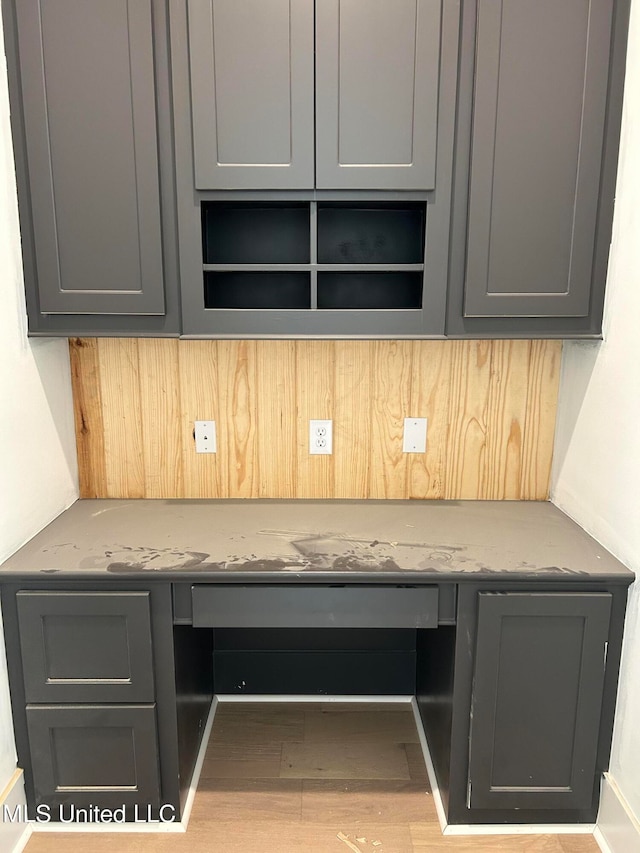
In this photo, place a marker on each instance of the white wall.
(596, 477)
(38, 472)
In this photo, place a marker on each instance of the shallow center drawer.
(309, 606)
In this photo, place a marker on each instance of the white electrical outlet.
(205, 435)
(321, 437)
(415, 435)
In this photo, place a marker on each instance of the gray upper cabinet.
(373, 101)
(91, 122)
(251, 67)
(538, 120)
(377, 67)
(88, 89)
(536, 157)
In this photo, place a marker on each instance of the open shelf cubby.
(370, 233)
(255, 232)
(369, 290)
(313, 255)
(241, 289)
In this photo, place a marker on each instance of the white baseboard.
(14, 834)
(617, 829)
(320, 698)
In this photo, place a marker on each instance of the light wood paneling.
(122, 419)
(490, 407)
(238, 412)
(87, 400)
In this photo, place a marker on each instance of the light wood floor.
(325, 778)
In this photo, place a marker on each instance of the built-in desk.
(123, 618)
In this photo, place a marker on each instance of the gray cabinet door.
(100, 755)
(251, 66)
(537, 698)
(377, 68)
(538, 121)
(88, 90)
(86, 646)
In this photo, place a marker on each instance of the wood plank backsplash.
(490, 405)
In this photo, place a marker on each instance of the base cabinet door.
(94, 755)
(537, 697)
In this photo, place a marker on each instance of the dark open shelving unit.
(313, 256)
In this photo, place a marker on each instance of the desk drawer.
(311, 606)
(86, 646)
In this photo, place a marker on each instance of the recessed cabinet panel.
(94, 755)
(537, 698)
(377, 69)
(86, 646)
(539, 108)
(251, 68)
(89, 98)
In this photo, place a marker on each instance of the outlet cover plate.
(321, 437)
(415, 435)
(205, 435)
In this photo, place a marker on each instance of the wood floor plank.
(261, 724)
(363, 801)
(426, 839)
(415, 760)
(360, 724)
(344, 761)
(248, 799)
(578, 844)
(242, 761)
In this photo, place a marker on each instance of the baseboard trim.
(176, 826)
(487, 828)
(316, 699)
(617, 829)
(14, 835)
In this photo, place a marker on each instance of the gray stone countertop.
(313, 540)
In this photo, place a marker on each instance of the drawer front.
(86, 646)
(225, 606)
(94, 755)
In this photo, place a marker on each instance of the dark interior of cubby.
(369, 290)
(369, 233)
(255, 233)
(237, 289)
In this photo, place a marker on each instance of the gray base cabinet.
(516, 689)
(89, 647)
(537, 699)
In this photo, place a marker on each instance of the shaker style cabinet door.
(89, 100)
(377, 69)
(540, 97)
(94, 755)
(251, 66)
(537, 698)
